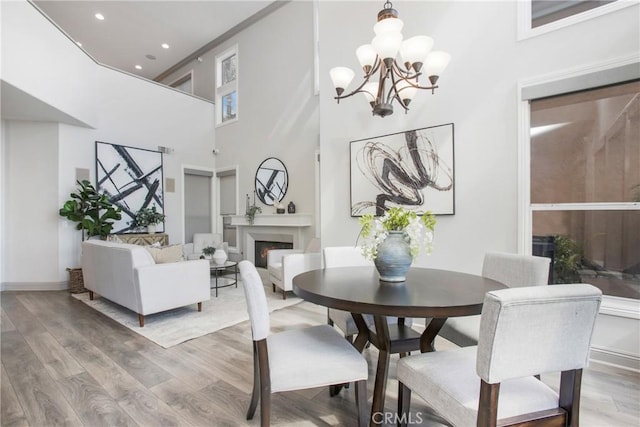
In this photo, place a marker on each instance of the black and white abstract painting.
(132, 178)
(272, 181)
(413, 169)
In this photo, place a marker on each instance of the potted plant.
(94, 215)
(149, 218)
(251, 213)
(92, 211)
(208, 252)
(394, 240)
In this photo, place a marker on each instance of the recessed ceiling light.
(165, 46)
(99, 16)
(79, 44)
(138, 67)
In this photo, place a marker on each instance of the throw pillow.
(171, 253)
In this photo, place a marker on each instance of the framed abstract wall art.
(132, 178)
(413, 169)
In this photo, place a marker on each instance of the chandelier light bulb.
(370, 92)
(387, 45)
(436, 62)
(414, 51)
(406, 90)
(341, 77)
(366, 56)
(388, 25)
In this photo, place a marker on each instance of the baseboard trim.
(34, 286)
(630, 362)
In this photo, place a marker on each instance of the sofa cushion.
(162, 255)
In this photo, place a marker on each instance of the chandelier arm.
(402, 73)
(366, 80)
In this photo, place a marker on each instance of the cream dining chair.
(523, 331)
(298, 358)
(510, 269)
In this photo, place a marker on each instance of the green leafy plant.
(209, 250)
(147, 216)
(418, 230)
(567, 260)
(251, 213)
(91, 210)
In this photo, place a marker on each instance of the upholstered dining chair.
(510, 269)
(298, 358)
(523, 331)
(345, 256)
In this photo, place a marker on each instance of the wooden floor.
(65, 364)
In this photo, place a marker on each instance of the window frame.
(611, 305)
(525, 30)
(223, 90)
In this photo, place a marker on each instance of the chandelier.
(398, 79)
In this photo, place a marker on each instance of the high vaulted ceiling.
(132, 32)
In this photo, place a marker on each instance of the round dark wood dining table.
(427, 293)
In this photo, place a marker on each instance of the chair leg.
(91, 295)
(570, 384)
(273, 285)
(361, 402)
(404, 403)
(200, 306)
(488, 404)
(141, 320)
(255, 393)
(329, 319)
(265, 383)
(284, 294)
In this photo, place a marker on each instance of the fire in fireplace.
(262, 247)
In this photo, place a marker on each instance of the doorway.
(198, 213)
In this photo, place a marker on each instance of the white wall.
(278, 111)
(24, 61)
(29, 236)
(40, 159)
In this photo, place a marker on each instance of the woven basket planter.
(76, 284)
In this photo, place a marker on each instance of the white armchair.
(201, 241)
(284, 264)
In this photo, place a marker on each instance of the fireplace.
(262, 247)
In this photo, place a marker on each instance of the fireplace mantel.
(271, 227)
(274, 220)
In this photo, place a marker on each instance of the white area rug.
(182, 324)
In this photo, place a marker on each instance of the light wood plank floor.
(65, 364)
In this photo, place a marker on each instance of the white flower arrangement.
(418, 231)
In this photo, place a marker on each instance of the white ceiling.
(133, 29)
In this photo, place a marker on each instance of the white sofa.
(284, 264)
(127, 275)
(201, 241)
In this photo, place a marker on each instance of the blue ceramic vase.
(394, 257)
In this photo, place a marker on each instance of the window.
(537, 17)
(585, 186)
(227, 86)
(184, 83)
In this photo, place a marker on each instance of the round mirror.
(272, 180)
